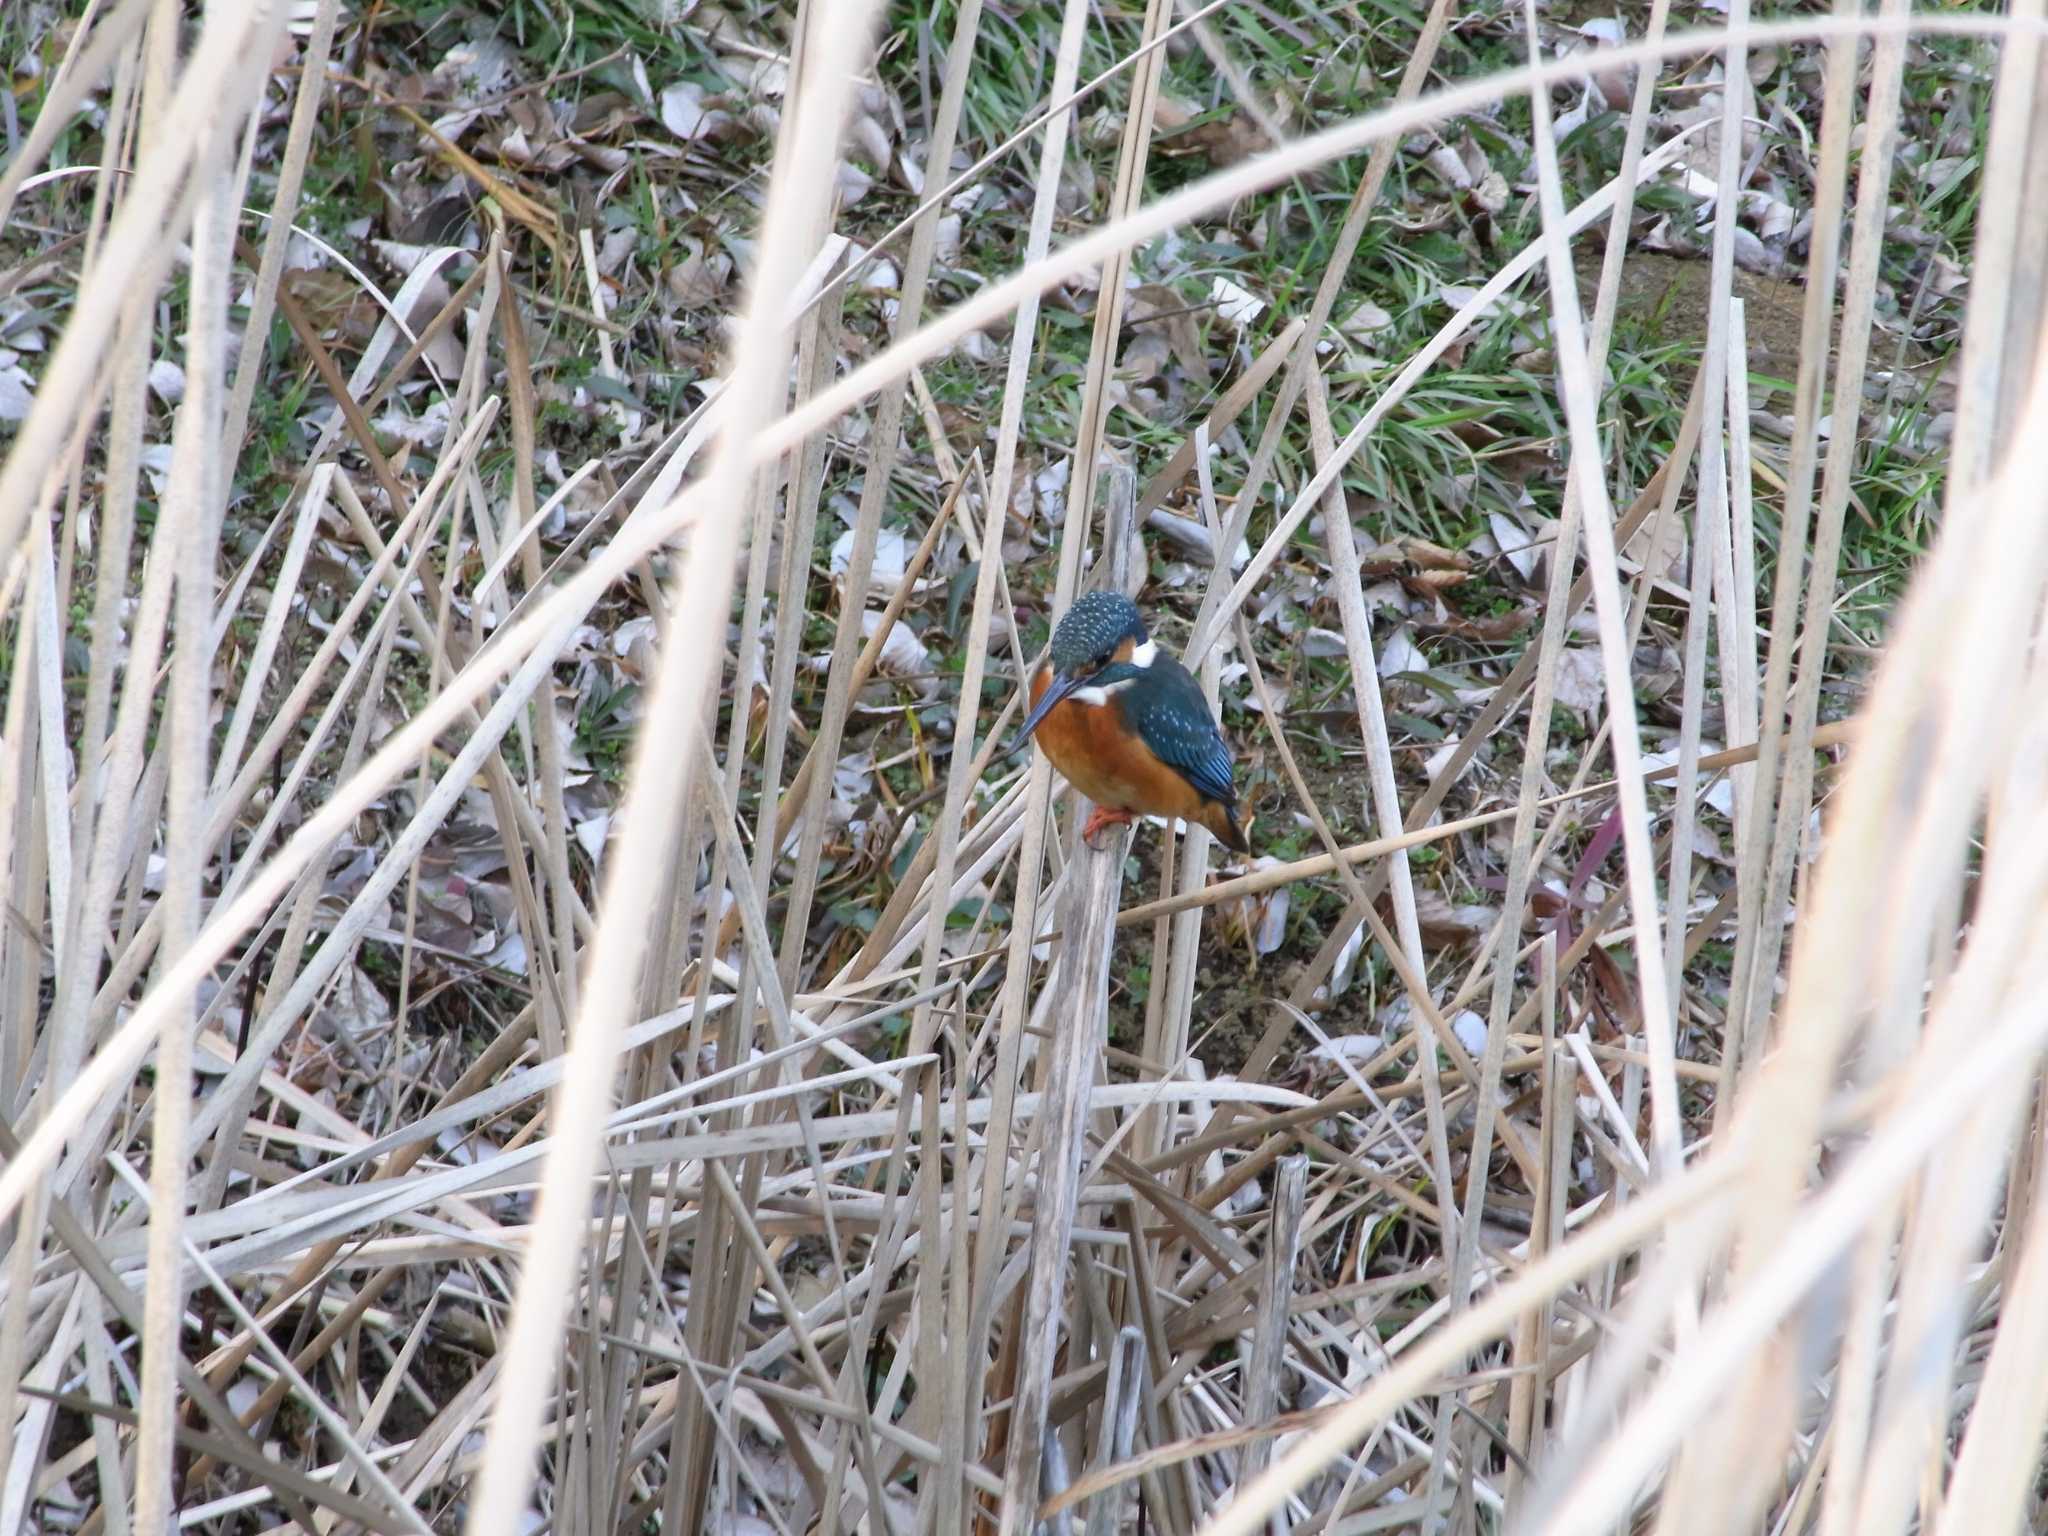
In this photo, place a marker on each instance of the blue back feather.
(1170, 713)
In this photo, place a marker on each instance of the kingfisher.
(1127, 726)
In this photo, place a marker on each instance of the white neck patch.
(1098, 696)
(1144, 655)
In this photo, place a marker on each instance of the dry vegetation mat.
(535, 995)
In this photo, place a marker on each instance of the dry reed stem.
(660, 781)
(518, 638)
(1574, 366)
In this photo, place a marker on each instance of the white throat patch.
(1097, 697)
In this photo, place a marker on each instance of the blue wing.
(1174, 720)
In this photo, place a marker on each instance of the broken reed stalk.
(1081, 981)
(1094, 876)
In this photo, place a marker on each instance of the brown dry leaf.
(1424, 568)
(1434, 557)
(1159, 311)
(1473, 433)
(1491, 630)
(1433, 584)
(1383, 560)
(1520, 464)
(1445, 924)
(961, 424)
(336, 303)
(1222, 140)
(1428, 218)
(531, 139)
(603, 114)
(1146, 355)
(698, 281)
(1613, 994)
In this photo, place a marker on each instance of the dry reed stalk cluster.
(715, 1256)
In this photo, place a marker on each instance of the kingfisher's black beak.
(1063, 683)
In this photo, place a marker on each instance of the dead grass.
(505, 777)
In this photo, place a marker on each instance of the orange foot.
(1103, 817)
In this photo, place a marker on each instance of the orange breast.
(1107, 761)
